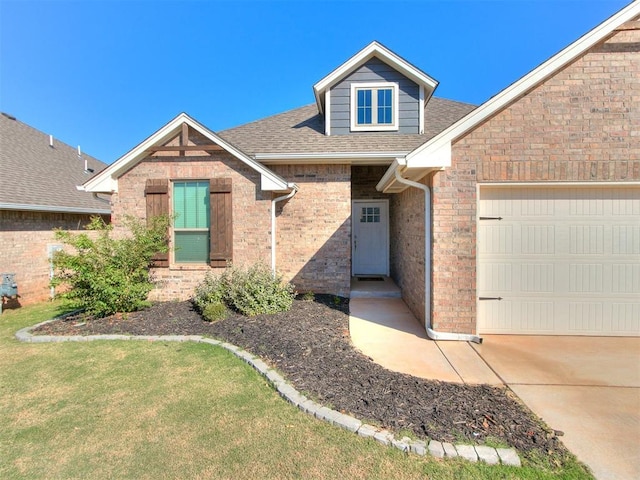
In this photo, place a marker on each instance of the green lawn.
(178, 410)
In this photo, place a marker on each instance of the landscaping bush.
(215, 311)
(107, 275)
(251, 291)
(255, 291)
(211, 290)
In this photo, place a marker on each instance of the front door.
(370, 242)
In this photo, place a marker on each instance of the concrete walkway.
(586, 387)
(385, 330)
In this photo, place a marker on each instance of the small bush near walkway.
(252, 291)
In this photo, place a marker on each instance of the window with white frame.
(374, 106)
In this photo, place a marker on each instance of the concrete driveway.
(587, 387)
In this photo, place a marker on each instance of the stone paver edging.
(473, 453)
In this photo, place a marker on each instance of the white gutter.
(100, 199)
(331, 156)
(51, 208)
(294, 190)
(432, 334)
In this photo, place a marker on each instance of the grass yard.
(179, 410)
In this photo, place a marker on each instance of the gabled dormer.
(374, 91)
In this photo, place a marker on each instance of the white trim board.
(520, 87)
(107, 180)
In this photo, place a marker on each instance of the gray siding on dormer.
(375, 71)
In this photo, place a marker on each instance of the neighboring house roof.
(107, 180)
(377, 50)
(38, 177)
(437, 151)
(299, 134)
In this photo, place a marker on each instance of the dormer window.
(374, 106)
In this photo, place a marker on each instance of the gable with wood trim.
(213, 193)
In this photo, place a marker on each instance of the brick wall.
(364, 180)
(407, 247)
(24, 240)
(581, 125)
(314, 228)
(251, 212)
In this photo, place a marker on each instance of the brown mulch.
(311, 346)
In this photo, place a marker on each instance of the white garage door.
(559, 260)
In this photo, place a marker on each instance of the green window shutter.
(156, 192)
(221, 250)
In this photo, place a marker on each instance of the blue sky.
(107, 74)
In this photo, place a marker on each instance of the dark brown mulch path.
(310, 345)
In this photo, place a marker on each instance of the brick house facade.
(569, 125)
(580, 125)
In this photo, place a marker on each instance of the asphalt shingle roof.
(302, 131)
(33, 173)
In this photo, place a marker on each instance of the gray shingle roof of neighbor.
(35, 176)
(302, 131)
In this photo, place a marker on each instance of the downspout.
(294, 190)
(432, 334)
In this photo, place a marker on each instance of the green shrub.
(211, 290)
(215, 311)
(308, 297)
(256, 291)
(106, 275)
(251, 291)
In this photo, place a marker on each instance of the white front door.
(370, 242)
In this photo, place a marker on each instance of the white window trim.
(354, 107)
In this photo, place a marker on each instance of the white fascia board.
(439, 156)
(374, 49)
(107, 180)
(52, 208)
(327, 115)
(342, 157)
(389, 174)
(274, 182)
(267, 184)
(533, 78)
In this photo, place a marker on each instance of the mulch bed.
(311, 346)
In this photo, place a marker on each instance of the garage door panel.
(586, 239)
(625, 317)
(537, 240)
(586, 316)
(586, 278)
(537, 278)
(626, 239)
(564, 260)
(625, 278)
(497, 239)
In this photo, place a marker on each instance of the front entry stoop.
(374, 286)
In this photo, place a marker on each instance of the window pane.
(385, 97)
(192, 247)
(191, 204)
(364, 106)
(191, 209)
